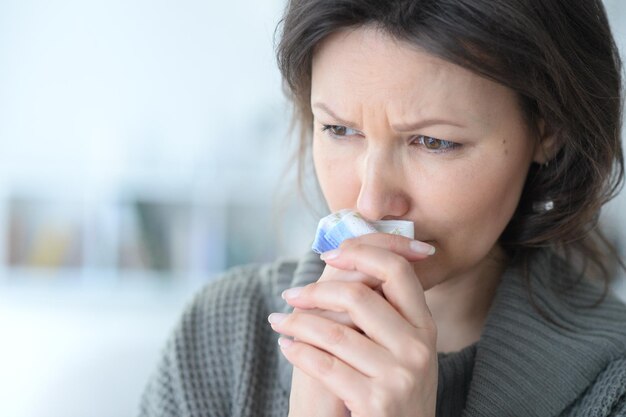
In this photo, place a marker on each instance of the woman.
(495, 127)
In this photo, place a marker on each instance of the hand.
(391, 370)
(309, 397)
(411, 250)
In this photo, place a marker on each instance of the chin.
(429, 272)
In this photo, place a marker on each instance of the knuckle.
(398, 267)
(335, 335)
(408, 349)
(325, 365)
(341, 318)
(421, 358)
(403, 381)
(393, 243)
(310, 290)
(356, 293)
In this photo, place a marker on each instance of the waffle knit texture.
(222, 358)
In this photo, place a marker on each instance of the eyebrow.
(408, 127)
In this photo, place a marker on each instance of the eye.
(436, 145)
(338, 131)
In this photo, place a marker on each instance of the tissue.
(345, 224)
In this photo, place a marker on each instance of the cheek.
(475, 205)
(483, 200)
(466, 219)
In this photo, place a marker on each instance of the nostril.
(383, 205)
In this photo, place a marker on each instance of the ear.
(547, 145)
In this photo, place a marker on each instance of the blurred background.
(143, 147)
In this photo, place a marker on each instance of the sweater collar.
(527, 365)
(524, 363)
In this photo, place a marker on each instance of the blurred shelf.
(152, 233)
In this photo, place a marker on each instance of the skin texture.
(368, 332)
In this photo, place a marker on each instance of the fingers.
(310, 397)
(368, 285)
(411, 250)
(336, 316)
(369, 311)
(334, 274)
(400, 285)
(345, 343)
(340, 378)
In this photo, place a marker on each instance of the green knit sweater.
(223, 360)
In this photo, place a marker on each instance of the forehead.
(366, 66)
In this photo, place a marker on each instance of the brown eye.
(435, 145)
(338, 130)
(432, 144)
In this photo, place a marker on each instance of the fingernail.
(291, 293)
(276, 318)
(331, 254)
(422, 248)
(284, 343)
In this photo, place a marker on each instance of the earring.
(543, 206)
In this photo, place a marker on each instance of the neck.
(460, 304)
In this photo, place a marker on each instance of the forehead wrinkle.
(438, 90)
(415, 99)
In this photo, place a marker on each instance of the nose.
(383, 194)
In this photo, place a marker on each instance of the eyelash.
(449, 145)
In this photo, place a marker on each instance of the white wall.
(105, 99)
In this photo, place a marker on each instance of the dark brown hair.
(558, 56)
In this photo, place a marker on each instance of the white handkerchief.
(345, 224)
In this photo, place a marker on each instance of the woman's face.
(401, 134)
